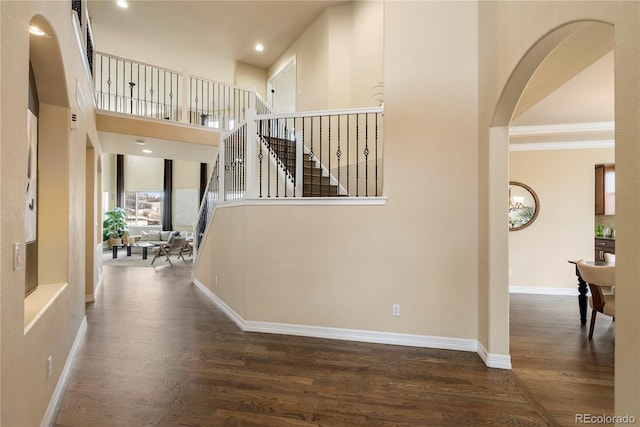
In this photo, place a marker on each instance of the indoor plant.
(114, 226)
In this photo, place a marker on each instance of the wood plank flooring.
(158, 352)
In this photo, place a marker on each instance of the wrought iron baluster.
(101, 79)
(109, 86)
(164, 94)
(260, 157)
(348, 151)
(311, 156)
(377, 155)
(191, 100)
(357, 155)
(208, 103)
(366, 155)
(320, 158)
(338, 152)
(268, 162)
(138, 93)
(158, 94)
(329, 151)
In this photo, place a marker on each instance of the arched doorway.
(494, 178)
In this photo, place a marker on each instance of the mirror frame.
(535, 198)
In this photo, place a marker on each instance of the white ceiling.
(202, 29)
(162, 148)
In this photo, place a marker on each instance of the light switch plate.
(17, 262)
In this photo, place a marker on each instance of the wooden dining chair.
(598, 276)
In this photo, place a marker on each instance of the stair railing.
(207, 205)
(323, 154)
(268, 156)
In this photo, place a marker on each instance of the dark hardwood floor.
(158, 352)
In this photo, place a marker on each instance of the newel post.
(251, 161)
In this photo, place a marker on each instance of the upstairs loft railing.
(81, 14)
(133, 87)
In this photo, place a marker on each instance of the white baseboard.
(92, 297)
(362, 336)
(543, 291)
(52, 410)
(445, 343)
(498, 361)
(221, 304)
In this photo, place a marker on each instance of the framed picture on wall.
(31, 217)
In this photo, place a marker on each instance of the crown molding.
(564, 145)
(562, 129)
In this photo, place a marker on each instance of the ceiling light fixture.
(123, 4)
(259, 47)
(146, 150)
(36, 31)
(140, 142)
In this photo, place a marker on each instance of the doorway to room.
(561, 345)
(282, 89)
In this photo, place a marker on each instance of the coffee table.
(143, 245)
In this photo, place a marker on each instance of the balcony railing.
(133, 87)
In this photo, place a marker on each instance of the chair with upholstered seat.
(598, 276)
(609, 258)
(174, 248)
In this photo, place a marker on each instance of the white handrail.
(322, 113)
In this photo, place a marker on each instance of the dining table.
(582, 289)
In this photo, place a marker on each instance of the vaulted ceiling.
(574, 84)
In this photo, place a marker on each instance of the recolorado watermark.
(604, 419)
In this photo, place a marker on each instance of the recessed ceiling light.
(36, 31)
(140, 142)
(123, 4)
(259, 47)
(146, 150)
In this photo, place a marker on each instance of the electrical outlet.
(49, 365)
(396, 309)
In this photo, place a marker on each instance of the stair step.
(320, 189)
(315, 179)
(307, 171)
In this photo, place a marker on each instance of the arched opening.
(48, 243)
(512, 102)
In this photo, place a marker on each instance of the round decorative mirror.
(523, 206)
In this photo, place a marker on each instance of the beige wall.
(564, 228)
(24, 385)
(339, 58)
(252, 78)
(350, 264)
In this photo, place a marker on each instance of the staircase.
(315, 182)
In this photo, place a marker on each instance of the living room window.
(143, 207)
